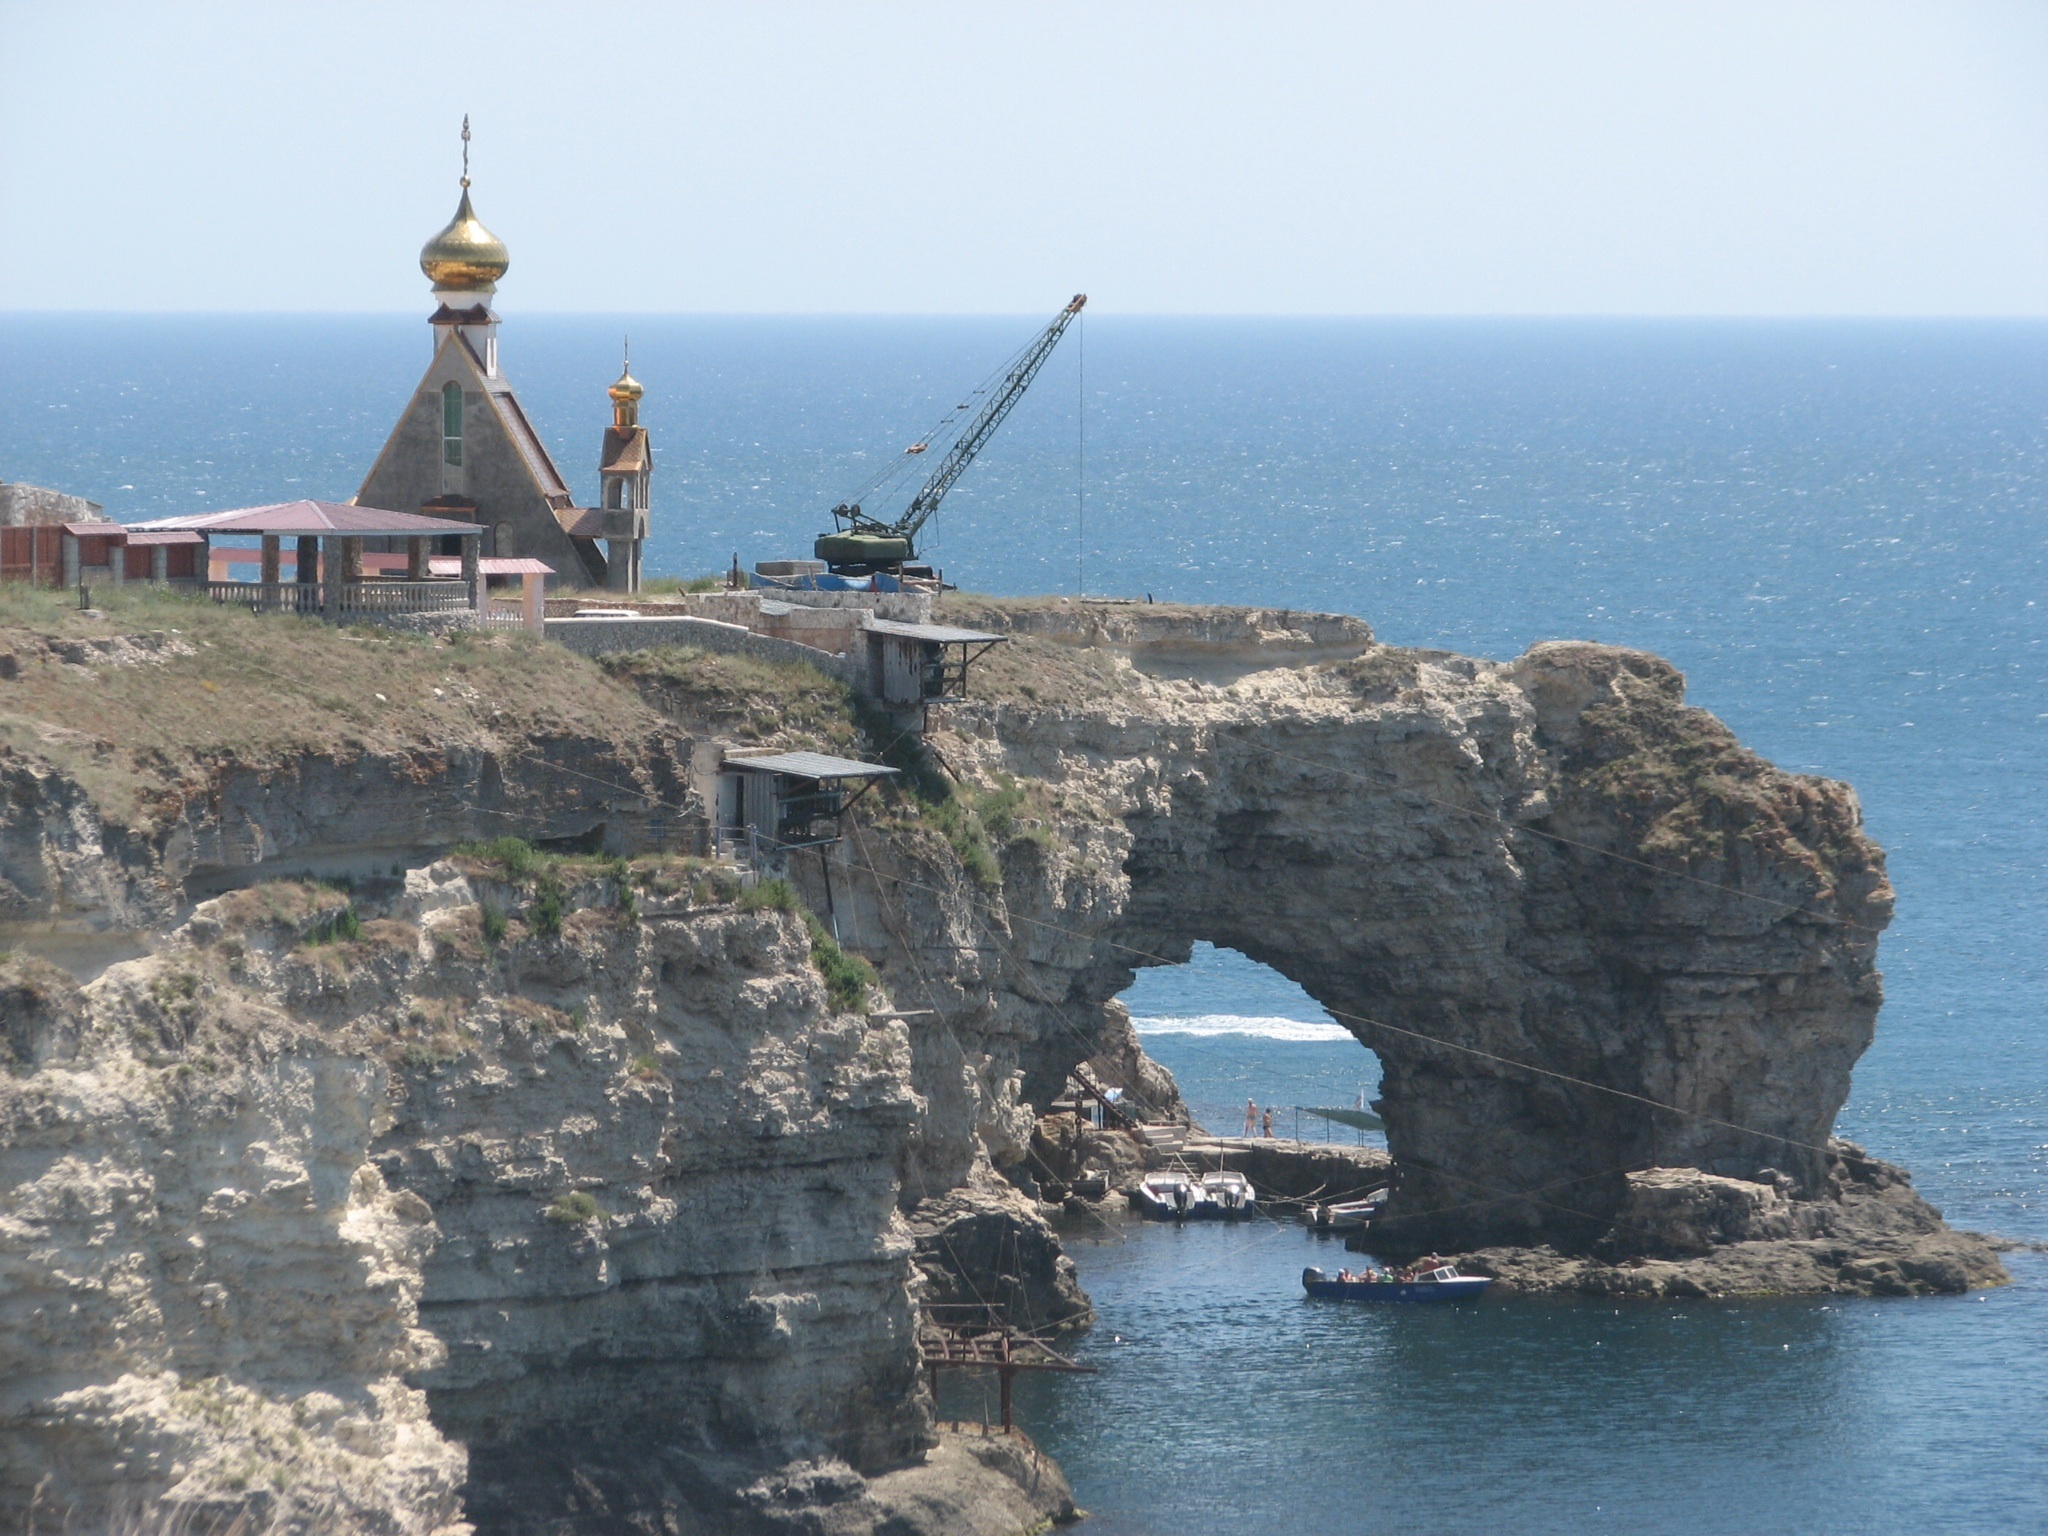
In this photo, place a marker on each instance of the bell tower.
(625, 470)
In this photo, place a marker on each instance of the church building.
(464, 449)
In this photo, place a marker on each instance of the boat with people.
(1167, 1196)
(1227, 1196)
(1429, 1281)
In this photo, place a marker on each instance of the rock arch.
(1512, 882)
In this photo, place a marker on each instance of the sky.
(1642, 158)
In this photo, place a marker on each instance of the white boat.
(1228, 1196)
(1167, 1197)
(1342, 1215)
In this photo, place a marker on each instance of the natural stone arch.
(1552, 863)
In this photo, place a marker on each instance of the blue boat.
(1443, 1283)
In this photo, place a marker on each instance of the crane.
(864, 544)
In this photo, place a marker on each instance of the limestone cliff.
(574, 1196)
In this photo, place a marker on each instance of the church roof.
(512, 417)
(302, 518)
(625, 451)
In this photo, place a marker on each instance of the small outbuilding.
(913, 666)
(776, 802)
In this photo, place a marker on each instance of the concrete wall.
(23, 505)
(602, 637)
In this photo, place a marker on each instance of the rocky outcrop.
(1686, 1233)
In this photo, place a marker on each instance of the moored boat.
(1228, 1196)
(1441, 1283)
(1346, 1215)
(1167, 1197)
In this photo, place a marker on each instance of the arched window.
(451, 423)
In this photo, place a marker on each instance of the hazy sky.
(1651, 157)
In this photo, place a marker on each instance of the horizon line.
(1748, 316)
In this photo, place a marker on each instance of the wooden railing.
(357, 597)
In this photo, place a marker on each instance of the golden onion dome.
(465, 257)
(626, 390)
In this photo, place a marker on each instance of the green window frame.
(451, 423)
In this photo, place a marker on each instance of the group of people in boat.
(1372, 1274)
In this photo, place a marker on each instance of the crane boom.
(866, 543)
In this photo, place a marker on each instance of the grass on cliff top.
(1050, 674)
(783, 703)
(261, 688)
(1691, 791)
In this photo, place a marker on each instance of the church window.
(451, 423)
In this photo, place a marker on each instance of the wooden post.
(536, 602)
(270, 570)
(308, 571)
(470, 577)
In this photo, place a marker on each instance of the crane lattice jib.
(978, 432)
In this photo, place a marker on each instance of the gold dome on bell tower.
(465, 257)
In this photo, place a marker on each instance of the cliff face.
(557, 1208)
(311, 1216)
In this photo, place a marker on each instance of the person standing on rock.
(1251, 1117)
(1269, 1122)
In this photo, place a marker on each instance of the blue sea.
(1838, 530)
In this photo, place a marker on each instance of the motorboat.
(1346, 1215)
(1442, 1283)
(1168, 1196)
(1228, 1196)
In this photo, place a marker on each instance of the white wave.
(1265, 1028)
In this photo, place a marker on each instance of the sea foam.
(1265, 1027)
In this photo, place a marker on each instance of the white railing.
(268, 596)
(357, 597)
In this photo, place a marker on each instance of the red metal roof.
(95, 530)
(301, 518)
(140, 540)
(451, 565)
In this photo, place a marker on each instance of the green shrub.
(847, 977)
(770, 896)
(343, 927)
(549, 903)
(519, 859)
(997, 808)
(575, 1209)
(494, 923)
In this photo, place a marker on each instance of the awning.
(451, 565)
(943, 633)
(810, 765)
(300, 519)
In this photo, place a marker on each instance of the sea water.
(1838, 530)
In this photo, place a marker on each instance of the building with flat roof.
(463, 448)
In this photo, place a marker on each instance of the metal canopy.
(944, 634)
(811, 765)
